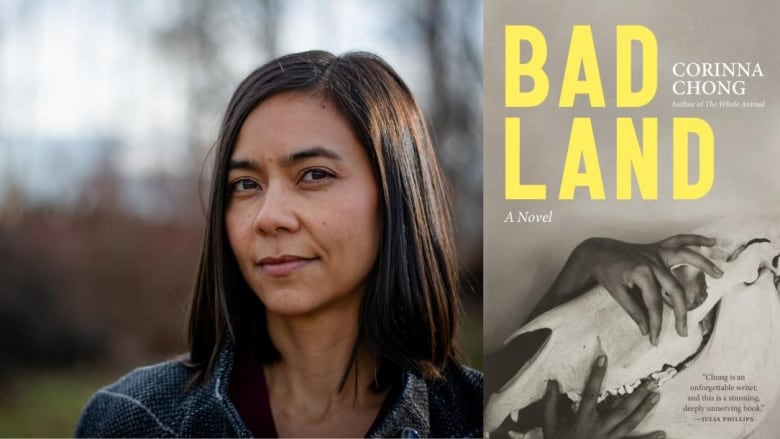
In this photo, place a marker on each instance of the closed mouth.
(279, 266)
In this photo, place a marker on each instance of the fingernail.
(682, 326)
(643, 328)
(601, 360)
(552, 386)
(718, 271)
(655, 398)
(652, 385)
(660, 435)
(653, 340)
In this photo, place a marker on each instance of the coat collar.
(408, 416)
(409, 412)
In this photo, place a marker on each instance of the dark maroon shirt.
(249, 393)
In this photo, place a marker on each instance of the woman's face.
(303, 211)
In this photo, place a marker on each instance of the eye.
(243, 185)
(316, 175)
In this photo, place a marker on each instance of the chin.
(299, 303)
(288, 304)
(734, 331)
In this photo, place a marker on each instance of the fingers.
(687, 239)
(550, 408)
(633, 309)
(651, 294)
(592, 389)
(628, 405)
(673, 252)
(636, 417)
(676, 294)
(695, 259)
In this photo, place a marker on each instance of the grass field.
(470, 337)
(46, 404)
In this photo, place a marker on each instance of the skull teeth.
(660, 377)
(664, 375)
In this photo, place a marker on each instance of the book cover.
(634, 121)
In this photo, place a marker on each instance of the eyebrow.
(315, 151)
(289, 160)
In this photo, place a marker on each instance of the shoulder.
(456, 403)
(451, 407)
(145, 402)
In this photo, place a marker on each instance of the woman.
(326, 302)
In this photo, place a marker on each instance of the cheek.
(368, 234)
(236, 226)
(356, 224)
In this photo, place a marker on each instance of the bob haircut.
(409, 312)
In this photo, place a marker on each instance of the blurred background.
(107, 113)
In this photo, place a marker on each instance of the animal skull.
(744, 340)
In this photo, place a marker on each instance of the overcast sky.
(79, 76)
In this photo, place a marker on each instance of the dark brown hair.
(410, 309)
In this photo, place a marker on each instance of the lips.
(279, 266)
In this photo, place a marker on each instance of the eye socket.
(243, 185)
(316, 175)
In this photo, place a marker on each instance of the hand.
(588, 423)
(620, 266)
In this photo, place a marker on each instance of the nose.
(277, 212)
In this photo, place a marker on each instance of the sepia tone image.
(631, 234)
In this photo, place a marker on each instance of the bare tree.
(204, 35)
(449, 32)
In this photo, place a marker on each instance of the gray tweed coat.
(152, 402)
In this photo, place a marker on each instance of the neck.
(315, 352)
